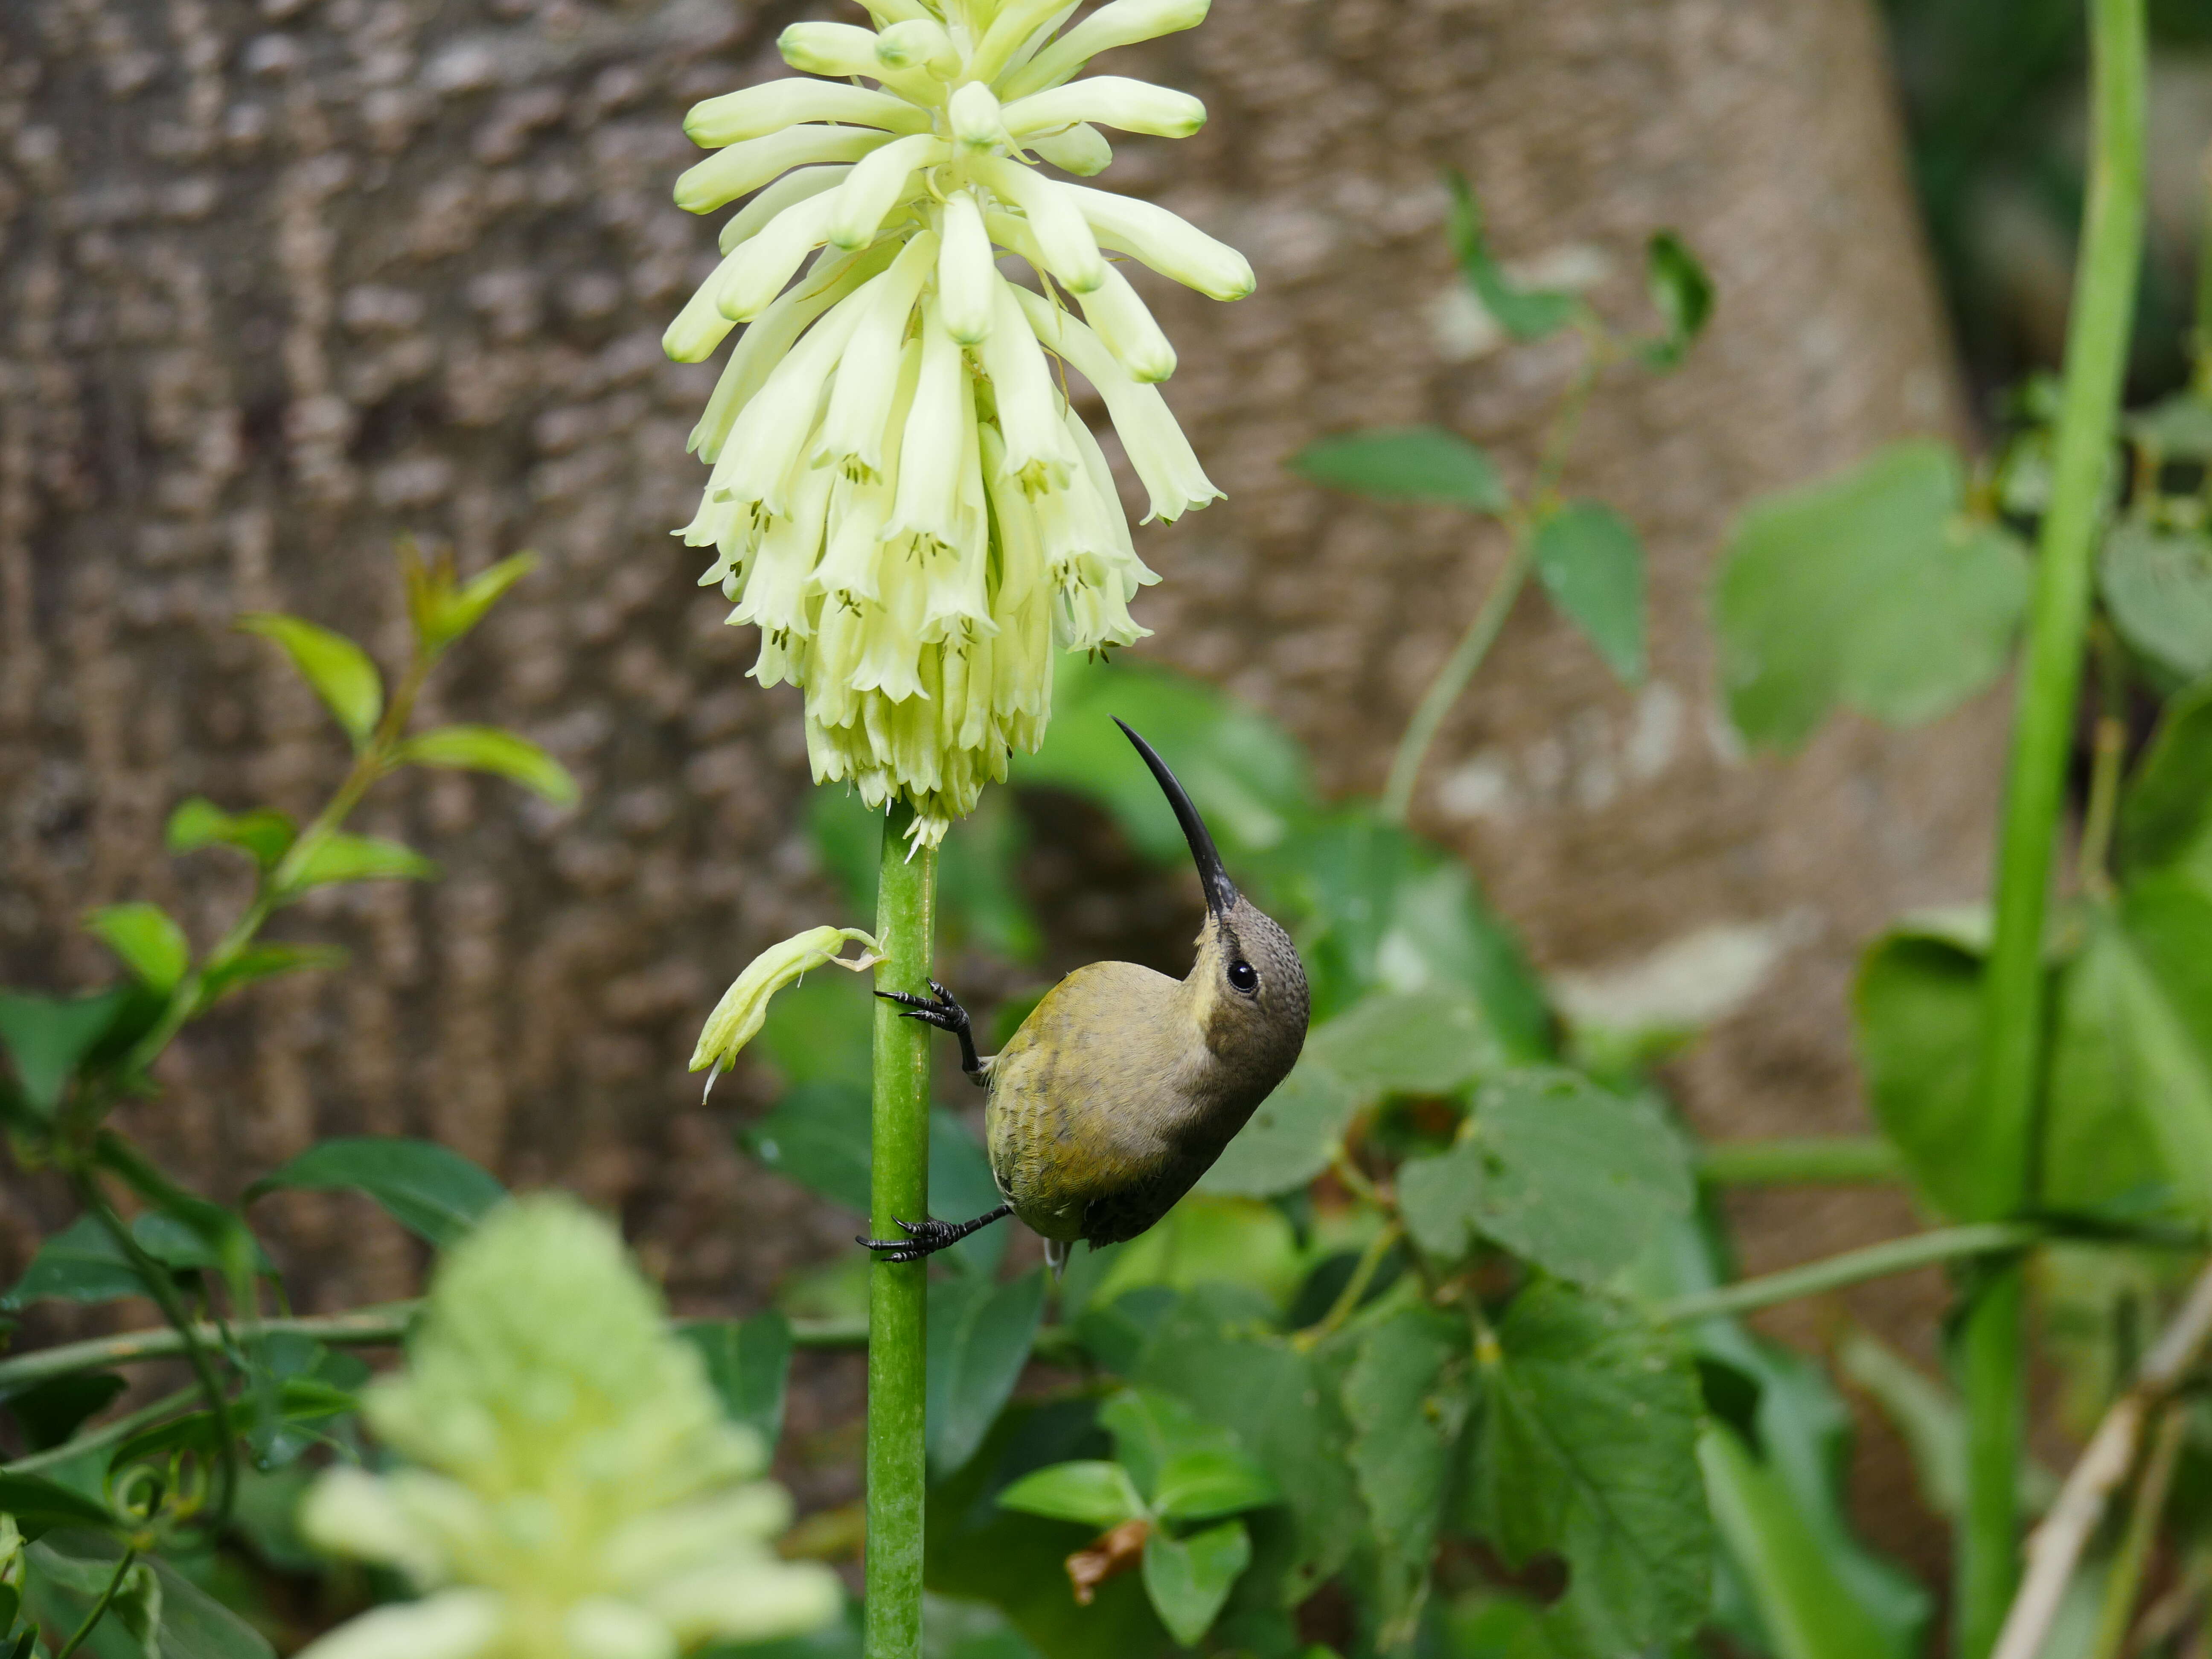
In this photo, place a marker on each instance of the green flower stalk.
(902, 499)
(572, 1489)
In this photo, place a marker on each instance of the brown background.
(282, 280)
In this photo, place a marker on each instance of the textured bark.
(281, 281)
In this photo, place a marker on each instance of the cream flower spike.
(901, 498)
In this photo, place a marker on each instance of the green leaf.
(1587, 1448)
(2177, 428)
(1189, 1578)
(1287, 1140)
(979, 1340)
(1571, 1176)
(1592, 564)
(49, 1412)
(341, 857)
(82, 1264)
(1682, 292)
(1179, 1461)
(1092, 1492)
(1200, 1485)
(440, 611)
(816, 1135)
(194, 1625)
(2166, 813)
(1277, 1403)
(338, 670)
(1918, 1007)
(1416, 1042)
(1526, 314)
(1406, 1402)
(48, 1038)
(431, 1190)
(135, 1610)
(2161, 1014)
(1247, 775)
(38, 1506)
(1870, 589)
(1808, 1609)
(148, 941)
(265, 833)
(1423, 463)
(749, 1363)
(2158, 586)
(260, 962)
(488, 749)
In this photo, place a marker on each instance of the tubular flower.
(575, 1491)
(901, 498)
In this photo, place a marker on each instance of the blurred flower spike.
(902, 499)
(575, 1491)
(742, 1012)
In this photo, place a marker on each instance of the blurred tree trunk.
(280, 281)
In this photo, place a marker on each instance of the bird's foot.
(942, 1010)
(923, 1239)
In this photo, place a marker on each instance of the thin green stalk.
(2124, 1583)
(1355, 1288)
(1896, 1255)
(2050, 685)
(1497, 606)
(163, 1291)
(1808, 1161)
(2093, 870)
(107, 1434)
(99, 1607)
(1452, 678)
(906, 907)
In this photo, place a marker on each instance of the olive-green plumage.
(1123, 1086)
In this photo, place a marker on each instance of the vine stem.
(99, 1607)
(163, 1291)
(906, 904)
(1895, 1255)
(1523, 521)
(2124, 1581)
(1992, 1336)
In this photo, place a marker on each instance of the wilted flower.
(902, 499)
(742, 1012)
(575, 1491)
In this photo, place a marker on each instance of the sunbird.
(1122, 1086)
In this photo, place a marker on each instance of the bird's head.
(1250, 987)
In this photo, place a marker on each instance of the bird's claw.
(940, 1009)
(922, 1238)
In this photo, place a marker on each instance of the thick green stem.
(2049, 687)
(906, 905)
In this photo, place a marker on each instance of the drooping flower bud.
(902, 499)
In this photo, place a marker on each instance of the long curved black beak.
(1220, 891)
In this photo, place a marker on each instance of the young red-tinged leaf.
(488, 748)
(265, 833)
(338, 670)
(360, 857)
(1095, 1494)
(148, 942)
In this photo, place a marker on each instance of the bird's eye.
(1244, 976)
